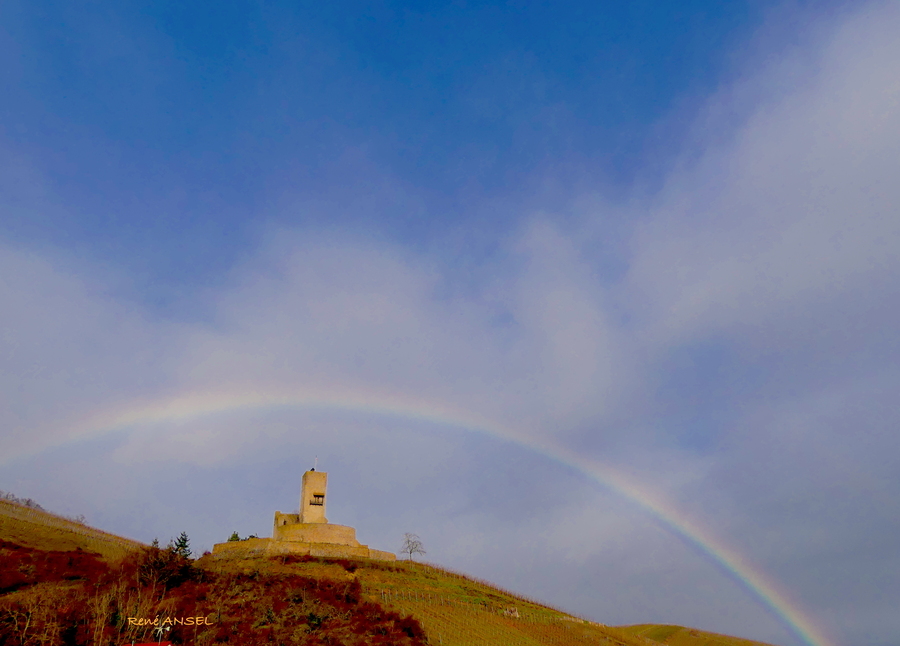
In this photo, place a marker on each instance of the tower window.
(318, 499)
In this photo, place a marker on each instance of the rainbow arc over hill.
(198, 404)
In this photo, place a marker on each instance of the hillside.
(457, 610)
(680, 636)
(39, 529)
(63, 582)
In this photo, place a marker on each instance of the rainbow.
(198, 404)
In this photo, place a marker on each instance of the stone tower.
(312, 497)
(307, 532)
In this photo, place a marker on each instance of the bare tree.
(412, 545)
(101, 605)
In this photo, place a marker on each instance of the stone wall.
(287, 529)
(270, 547)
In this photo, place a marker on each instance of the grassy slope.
(680, 636)
(45, 531)
(455, 610)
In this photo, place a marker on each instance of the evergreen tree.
(234, 537)
(182, 545)
(155, 543)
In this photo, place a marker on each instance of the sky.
(598, 299)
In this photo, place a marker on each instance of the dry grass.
(454, 609)
(457, 610)
(45, 531)
(680, 636)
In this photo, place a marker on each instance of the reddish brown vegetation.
(74, 598)
(20, 566)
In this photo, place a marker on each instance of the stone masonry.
(307, 532)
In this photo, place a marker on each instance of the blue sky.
(177, 129)
(659, 235)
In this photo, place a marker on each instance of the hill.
(457, 610)
(76, 598)
(63, 582)
(42, 530)
(680, 636)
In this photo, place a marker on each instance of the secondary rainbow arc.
(199, 404)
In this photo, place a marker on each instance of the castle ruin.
(307, 532)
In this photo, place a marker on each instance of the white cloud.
(797, 211)
(68, 348)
